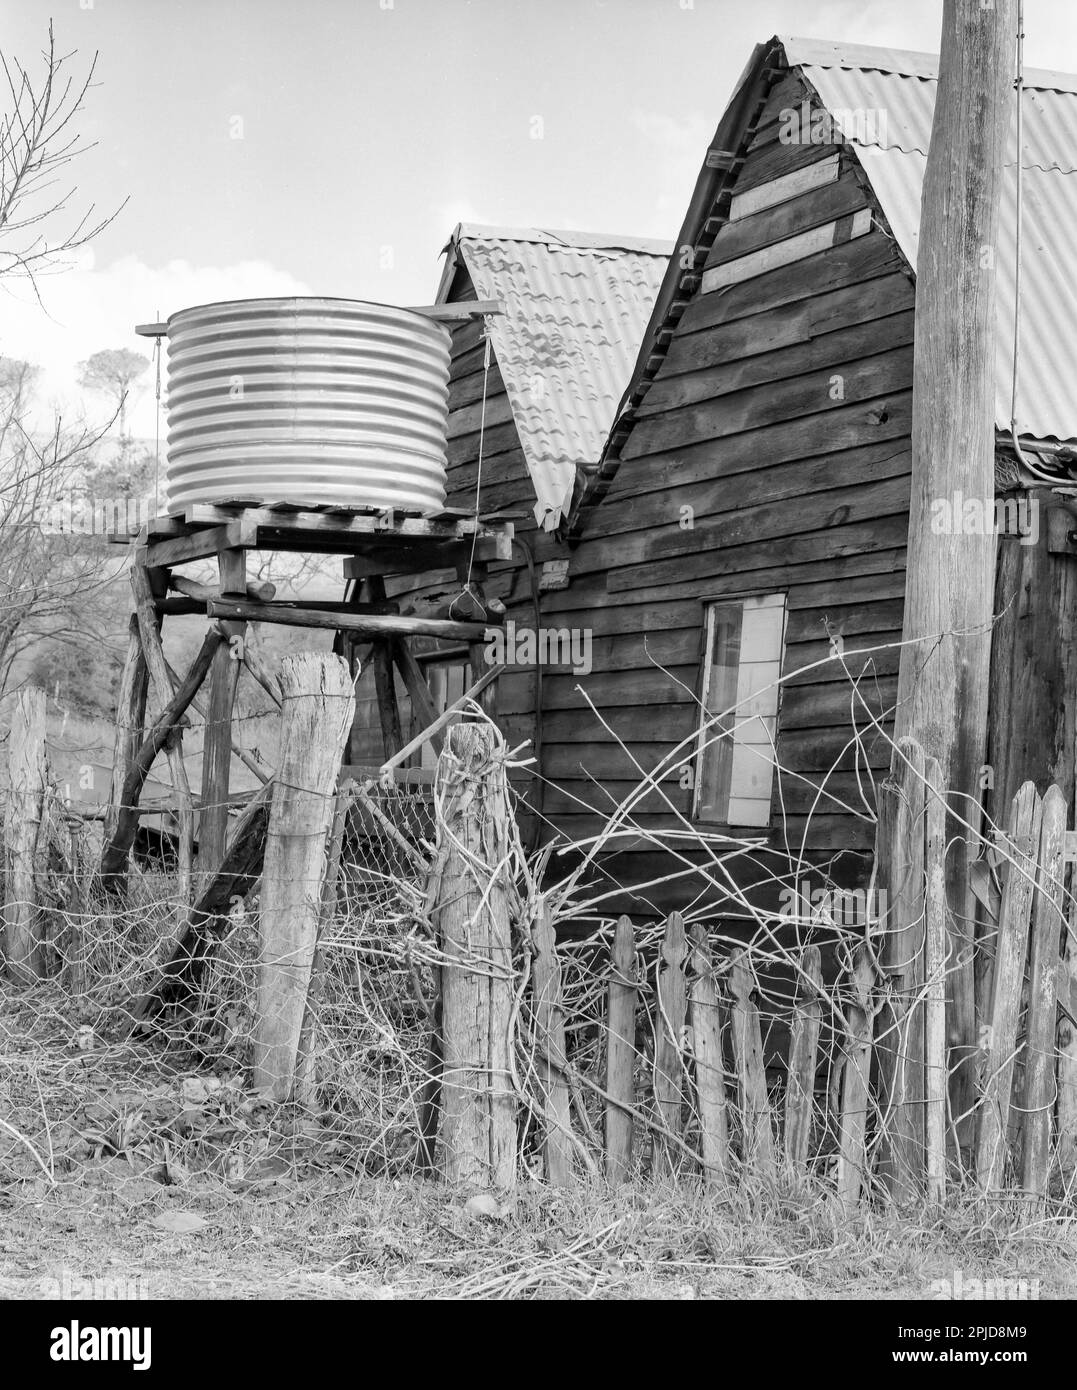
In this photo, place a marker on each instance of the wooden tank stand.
(367, 623)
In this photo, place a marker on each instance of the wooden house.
(748, 519)
(533, 393)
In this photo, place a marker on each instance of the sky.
(268, 147)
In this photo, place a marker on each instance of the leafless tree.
(49, 570)
(38, 141)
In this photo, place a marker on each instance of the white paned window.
(742, 663)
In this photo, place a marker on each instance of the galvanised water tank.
(314, 402)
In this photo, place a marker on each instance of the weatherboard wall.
(781, 417)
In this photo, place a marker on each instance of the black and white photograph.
(538, 668)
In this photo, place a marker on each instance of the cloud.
(88, 307)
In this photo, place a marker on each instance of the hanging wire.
(486, 360)
(157, 419)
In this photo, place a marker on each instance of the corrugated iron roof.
(852, 78)
(575, 309)
(893, 152)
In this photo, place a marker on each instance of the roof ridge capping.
(902, 62)
(571, 239)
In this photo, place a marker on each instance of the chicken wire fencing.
(773, 984)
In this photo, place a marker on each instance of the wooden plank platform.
(204, 530)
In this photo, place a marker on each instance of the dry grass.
(311, 1234)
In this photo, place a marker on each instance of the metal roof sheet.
(575, 309)
(901, 87)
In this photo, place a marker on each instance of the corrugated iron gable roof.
(893, 153)
(575, 309)
(894, 157)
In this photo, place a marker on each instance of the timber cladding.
(770, 455)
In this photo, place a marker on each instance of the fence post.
(1009, 974)
(551, 1063)
(936, 960)
(478, 1124)
(130, 719)
(1067, 1037)
(669, 1030)
(620, 1052)
(757, 1135)
(904, 960)
(803, 1056)
(27, 781)
(709, 1069)
(1047, 921)
(852, 1156)
(316, 714)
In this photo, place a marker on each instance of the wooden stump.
(852, 1156)
(24, 946)
(803, 1059)
(757, 1133)
(709, 1069)
(669, 1030)
(316, 714)
(551, 1060)
(1048, 920)
(993, 1133)
(621, 1053)
(478, 1124)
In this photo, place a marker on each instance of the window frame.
(709, 603)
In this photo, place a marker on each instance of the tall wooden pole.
(943, 676)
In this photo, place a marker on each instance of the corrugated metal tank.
(330, 402)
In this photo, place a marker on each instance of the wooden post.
(130, 719)
(24, 946)
(709, 1068)
(904, 961)
(993, 1133)
(945, 664)
(217, 736)
(669, 1030)
(116, 850)
(316, 714)
(757, 1133)
(1048, 921)
(803, 1059)
(620, 1052)
(392, 737)
(936, 961)
(1067, 1036)
(478, 1124)
(162, 686)
(852, 1156)
(551, 1061)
